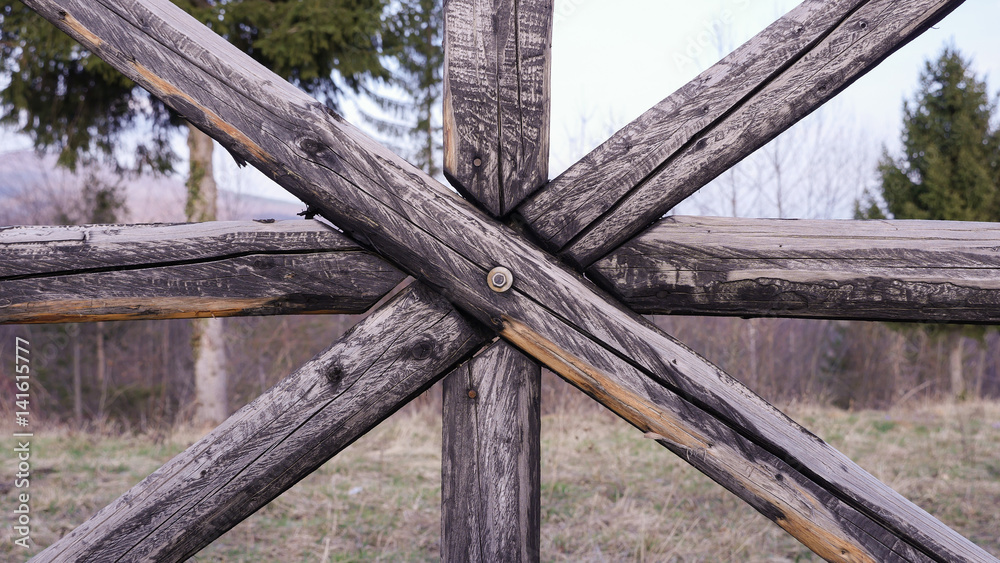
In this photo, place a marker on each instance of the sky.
(624, 56)
(613, 59)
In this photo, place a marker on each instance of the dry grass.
(607, 494)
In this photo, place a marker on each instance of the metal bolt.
(477, 162)
(500, 279)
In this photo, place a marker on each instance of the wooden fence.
(516, 258)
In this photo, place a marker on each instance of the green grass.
(607, 493)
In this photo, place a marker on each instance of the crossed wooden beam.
(396, 221)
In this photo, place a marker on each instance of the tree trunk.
(209, 353)
(102, 377)
(956, 352)
(896, 357)
(977, 385)
(754, 382)
(209, 372)
(77, 383)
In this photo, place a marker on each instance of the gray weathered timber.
(496, 99)
(786, 493)
(490, 472)
(553, 313)
(119, 272)
(945, 271)
(496, 109)
(281, 437)
(733, 108)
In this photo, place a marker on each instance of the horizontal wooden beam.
(729, 111)
(943, 271)
(281, 437)
(124, 272)
(551, 312)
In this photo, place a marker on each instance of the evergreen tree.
(70, 102)
(409, 116)
(950, 166)
(417, 34)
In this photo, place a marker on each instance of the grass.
(607, 493)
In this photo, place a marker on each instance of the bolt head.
(500, 279)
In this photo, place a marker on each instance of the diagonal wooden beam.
(281, 437)
(551, 312)
(125, 272)
(945, 271)
(732, 109)
(496, 108)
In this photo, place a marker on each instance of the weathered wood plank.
(874, 270)
(496, 116)
(436, 236)
(124, 272)
(726, 113)
(490, 468)
(785, 492)
(282, 436)
(496, 99)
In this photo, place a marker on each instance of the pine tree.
(949, 169)
(73, 103)
(70, 102)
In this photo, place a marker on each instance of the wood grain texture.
(729, 111)
(282, 436)
(490, 468)
(875, 270)
(121, 272)
(496, 122)
(496, 99)
(786, 493)
(432, 234)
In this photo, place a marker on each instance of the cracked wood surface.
(552, 312)
(945, 271)
(496, 99)
(496, 144)
(281, 437)
(490, 465)
(730, 110)
(124, 272)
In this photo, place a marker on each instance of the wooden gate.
(559, 270)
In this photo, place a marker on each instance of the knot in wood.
(264, 263)
(421, 350)
(311, 147)
(335, 374)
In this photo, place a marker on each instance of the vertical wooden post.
(490, 464)
(496, 139)
(496, 99)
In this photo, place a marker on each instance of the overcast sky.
(613, 59)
